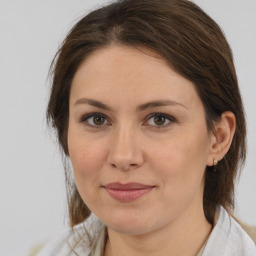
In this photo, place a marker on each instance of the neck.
(184, 236)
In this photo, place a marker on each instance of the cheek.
(180, 168)
(182, 160)
(86, 157)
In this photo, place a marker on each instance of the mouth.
(127, 192)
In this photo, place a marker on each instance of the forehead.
(124, 74)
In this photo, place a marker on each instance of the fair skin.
(114, 135)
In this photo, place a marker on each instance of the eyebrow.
(143, 107)
(159, 103)
(94, 103)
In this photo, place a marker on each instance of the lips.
(127, 192)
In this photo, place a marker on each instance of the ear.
(222, 138)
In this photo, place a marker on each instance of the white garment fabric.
(226, 239)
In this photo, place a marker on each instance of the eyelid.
(86, 116)
(84, 119)
(168, 117)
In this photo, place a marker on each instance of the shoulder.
(67, 243)
(229, 238)
(249, 229)
(240, 239)
(76, 241)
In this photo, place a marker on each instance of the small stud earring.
(215, 163)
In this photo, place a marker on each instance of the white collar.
(228, 238)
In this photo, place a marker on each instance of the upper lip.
(127, 186)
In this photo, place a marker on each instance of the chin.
(132, 225)
(127, 228)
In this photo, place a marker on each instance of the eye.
(94, 120)
(160, 120)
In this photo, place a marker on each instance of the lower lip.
(128, 195)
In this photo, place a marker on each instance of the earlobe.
(222, 137)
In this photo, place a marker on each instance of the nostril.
(124, 166)
(113, 165)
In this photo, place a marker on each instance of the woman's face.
(137, 140)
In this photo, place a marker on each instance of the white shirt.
(226, 239)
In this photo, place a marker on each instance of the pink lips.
(127, 192)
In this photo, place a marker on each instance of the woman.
(146, 105)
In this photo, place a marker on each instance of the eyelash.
(168, 118)
(85, 119)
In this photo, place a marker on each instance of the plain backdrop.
(32, 192)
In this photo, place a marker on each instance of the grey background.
(32, 194)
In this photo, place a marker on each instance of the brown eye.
(94, 120)
(159, 120)
(98, 120)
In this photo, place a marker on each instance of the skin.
(128, 145)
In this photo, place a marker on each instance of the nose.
(125, 152)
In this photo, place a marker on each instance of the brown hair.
(192, 43)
